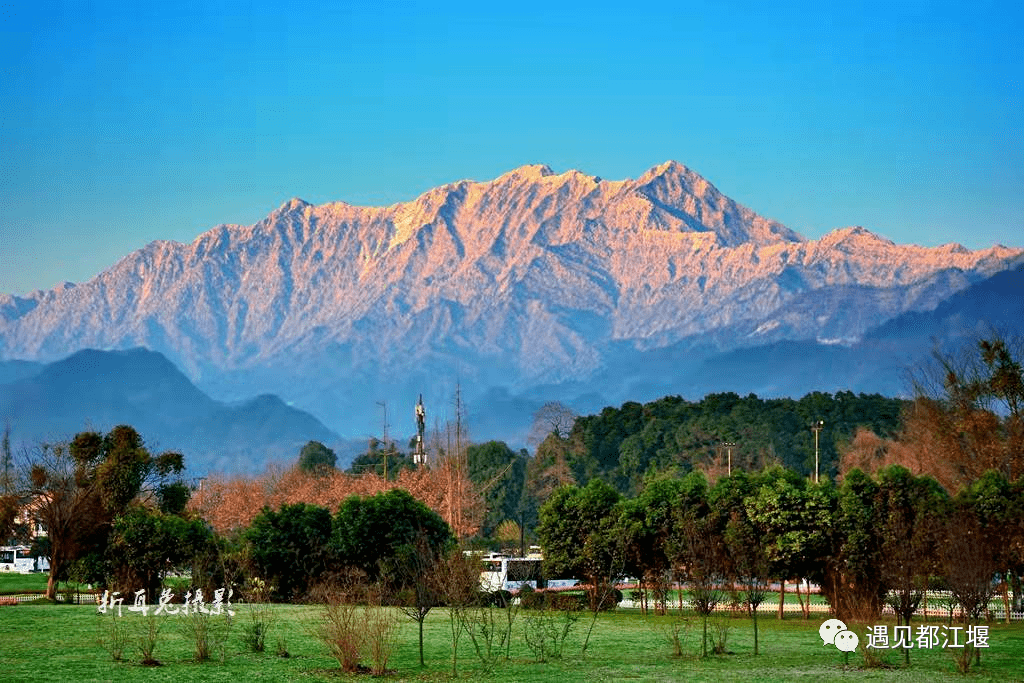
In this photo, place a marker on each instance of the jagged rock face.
(533, 272)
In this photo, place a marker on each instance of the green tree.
(855, 584)
(291, 547)
(577, 532)
(646, 525)
(794, 520)
(746, 556)
(316, 458)
(969, 563)
(369, 532)
(79, 489)
(910, 518)
(697, 547)
(999, 507)
(499, 473)
(145, 545)
(379, 457)
(622, 445)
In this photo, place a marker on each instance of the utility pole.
(384, 405)
(816, 428)
(728, 448)
(5, 453)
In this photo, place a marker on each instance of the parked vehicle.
(500, 572)
(16, 559)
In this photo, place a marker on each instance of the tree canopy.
(499, 473)
(79, 489)
(315, 458)
(370, 530)
(290, 547)
(622, 445)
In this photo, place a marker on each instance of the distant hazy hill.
(16, 369)
(529, 287)
(881, 361)
(100, 389)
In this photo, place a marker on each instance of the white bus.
(16, 559)
(501, 572)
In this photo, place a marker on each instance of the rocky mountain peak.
(528, 172)
(533, 278)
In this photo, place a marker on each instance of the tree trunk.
(56, 567)
(422, 618)
(754, 612)
(800, 601)
(782, 595)
(51, 584)
(924, 598)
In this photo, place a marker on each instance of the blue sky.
(121, 125)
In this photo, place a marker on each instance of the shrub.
(341, 629)
(381, 637)
(605, 598)
(148, 636)
(501, 598)
(720, 636)
(575, 602)
(207, 632)
(112, 635)
(546, 632)
(530, 598)
(261, 615)
(677, 632)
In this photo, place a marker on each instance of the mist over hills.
(887, 356)
(530, 287)
(98, 390)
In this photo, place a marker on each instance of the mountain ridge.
(530, 279)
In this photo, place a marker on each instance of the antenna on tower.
(419, 456)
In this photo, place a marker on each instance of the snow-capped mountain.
(531, 279)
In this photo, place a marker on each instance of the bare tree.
(9, 499)
(548, 470)
(969, 564)
(967, 418)
(68, 501)
(413, 574)
(551, 418)
(701, 550)
(973, 405)
(457, 579)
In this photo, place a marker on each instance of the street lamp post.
(816, 428)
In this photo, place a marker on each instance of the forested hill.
(621, 445)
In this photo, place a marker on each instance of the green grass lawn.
(60, 642)
(11, 582)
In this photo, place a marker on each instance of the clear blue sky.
(119, 126)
